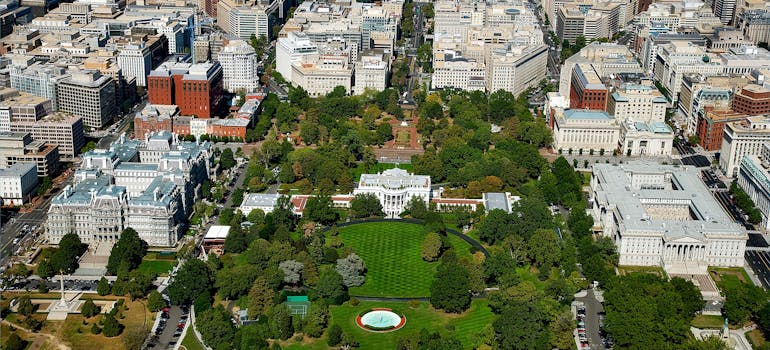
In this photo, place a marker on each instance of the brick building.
(587, 90)
(154, 118)
(195, 88)
(711, 126)
(752, 100)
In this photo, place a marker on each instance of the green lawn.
(391, 251)
(378, 168)
(190, 342)
(157, 266)
(729, 277)
(465, 327)
(708, 321)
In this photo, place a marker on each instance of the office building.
(90, 95)
(573, 21)
(157, 214)
(711, 126)
(18, 183)
(607, 59)
(752, 99)
(587, 90)
(239, 67)
(755, 25)
(645, 138)
(291, 50)
(242, 19)
(678, 58)
(62, 129)
(154, 118)
(516, 68)
(371, 72)
(724, 9)
(320, 74)
(394, 188)
(585, 130)
(744, 59)
(754, 179)
(743, 138)
(17, 147)
(663, 215)
(643, 103)
(195, 88)
(39, 80)
(135, 61)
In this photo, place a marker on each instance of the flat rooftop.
(634, 187)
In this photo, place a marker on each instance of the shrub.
(335, 335)
(354, 301)
(413, 303)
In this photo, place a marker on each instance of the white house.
(394, 188)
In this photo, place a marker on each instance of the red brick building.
(711, 126)
(235, 127)
(752, 100)
(586, 89)
(153, 119)
(195, 88)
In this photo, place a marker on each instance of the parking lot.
(170, 326)
(760, 263)
(590, 321)
(53, 284)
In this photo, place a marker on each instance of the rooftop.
(217, 232)
(394, 179)
(633, 186)
(18, 169)
(586, 114)
(260, 200)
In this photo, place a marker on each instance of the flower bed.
(389, 328)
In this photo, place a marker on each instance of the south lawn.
(467, 327)
(391, 251)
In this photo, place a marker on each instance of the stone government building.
(663, 215)
(149, 185)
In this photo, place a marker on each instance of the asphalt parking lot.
(760, 263)
(53, 284)
(169, 332)
(593, 318)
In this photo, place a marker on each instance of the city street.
(760, 263)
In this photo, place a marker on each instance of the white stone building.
(578, 129)
(394, 188)
(678, 58)
(320, 74)
(371, 72)
(516, 68)
(640, 103)
(292, 49)
(239, 67)
(745, 138)
(754, 179)
(17, 183)
(663, 215)
(135, 61)
(458, 73)
(645, 138)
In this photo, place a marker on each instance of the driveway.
(593, 308)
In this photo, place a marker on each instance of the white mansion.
(394, 188)
(663, 215)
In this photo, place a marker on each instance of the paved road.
(593, 308)
(10, 230)
(760, 263)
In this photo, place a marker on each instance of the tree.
(89, 309)
(155, 301)
(25, 306)
(691, 296)
(226, 159)
(330, 287)
(431, 247)
(450, 289)
(234, 282)
(192, 279)
(365, 205)
(45, 269)
(202, 302)
(279, 321)
(416, 207)
(103, 288)
(261, 297)
(129, 248)
(292, 271)
(44, 186)
(321, 209)
(384, 133)
(334, 335)
(316, 319)
(544, 249)
(66, 257)
(112, 327)
(352, 270)
(763, 321)
(495, 227)
(14, 342)
(216, 327)
(522, 326)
